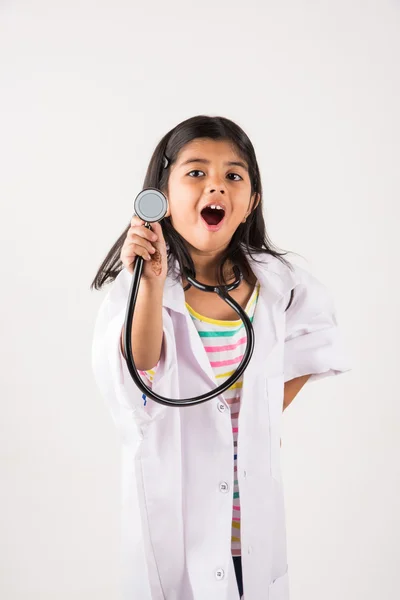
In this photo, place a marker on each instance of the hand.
(148, 243)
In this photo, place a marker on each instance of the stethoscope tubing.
(222, 292)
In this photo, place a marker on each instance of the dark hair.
(251, 234)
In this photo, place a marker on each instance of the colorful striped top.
(225, 343)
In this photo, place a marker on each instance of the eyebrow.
(235, 163)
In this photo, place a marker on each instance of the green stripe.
(236, 495)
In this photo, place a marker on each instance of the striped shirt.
(225, 343)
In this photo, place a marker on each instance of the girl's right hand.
(148, 243)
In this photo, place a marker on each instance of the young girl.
(202, 489)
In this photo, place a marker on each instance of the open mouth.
(212, 216)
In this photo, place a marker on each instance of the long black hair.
(250, 235)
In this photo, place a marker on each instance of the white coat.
(177, 462)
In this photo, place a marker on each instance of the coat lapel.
(174, 299)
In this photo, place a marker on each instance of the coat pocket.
(279, 589)
(275, 394)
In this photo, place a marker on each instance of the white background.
(87, 90)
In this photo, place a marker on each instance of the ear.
(256, 201)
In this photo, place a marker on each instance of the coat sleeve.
(313, 342)
(147, 376)
(122, 396)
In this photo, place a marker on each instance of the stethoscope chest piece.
(150, 205)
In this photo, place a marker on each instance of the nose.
(215, 185)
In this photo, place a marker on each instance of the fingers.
(140, 247)
(136, 244)
(140, 237)
(128, 257)
(136, 222)
(142, 232)
(156, 228)
(139, 241)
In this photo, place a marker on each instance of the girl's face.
(202, 176)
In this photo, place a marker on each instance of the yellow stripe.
(235, 539)
(236, 525)
(235, 323)
(228, 374)
(213, 321)
(151, 373)
(238, 384)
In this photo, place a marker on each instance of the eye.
(198, 171)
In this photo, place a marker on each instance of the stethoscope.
(151, 206)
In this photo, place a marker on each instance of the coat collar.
(275, 278)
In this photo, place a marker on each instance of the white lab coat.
(176, 510)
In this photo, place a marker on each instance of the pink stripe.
(236, 507)
(236, 519)
(234, 405)
(225, 363)
(235, 429)
(227, 347)
(234, 400)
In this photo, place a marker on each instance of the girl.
(202, 489)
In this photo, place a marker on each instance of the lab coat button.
(223, 486)
(221, 407)
(219, 573)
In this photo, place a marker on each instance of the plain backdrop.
(88, 88)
